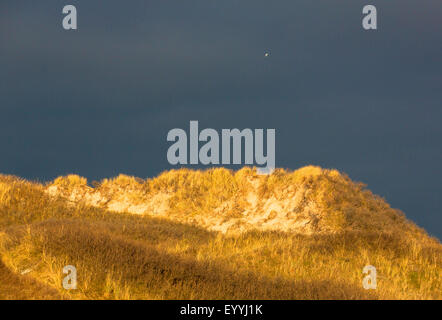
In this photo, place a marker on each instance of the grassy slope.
(125, 256)
(22, 287)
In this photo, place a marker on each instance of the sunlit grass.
(126, 256)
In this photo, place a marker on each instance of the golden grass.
(329, 199)
(125, 256)
(22, 287)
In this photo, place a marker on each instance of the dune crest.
(308, 200)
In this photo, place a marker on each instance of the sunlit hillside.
(214, 234)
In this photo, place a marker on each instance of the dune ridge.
(308, 200)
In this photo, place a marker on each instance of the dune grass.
(126, 256)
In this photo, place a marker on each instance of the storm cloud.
(100, 100)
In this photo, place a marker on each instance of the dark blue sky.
(100, 100)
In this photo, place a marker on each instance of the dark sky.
(100, 100)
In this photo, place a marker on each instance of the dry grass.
(22, 287)
(126, 256)
(308, 200)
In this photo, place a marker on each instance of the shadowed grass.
(22, 287)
